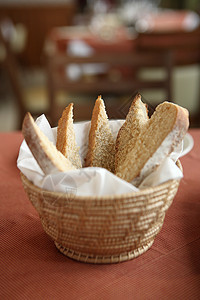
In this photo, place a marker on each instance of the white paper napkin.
(89, 181)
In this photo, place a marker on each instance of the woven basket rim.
(144, 191)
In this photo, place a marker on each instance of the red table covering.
(32, 268)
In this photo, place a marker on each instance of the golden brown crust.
(66, 140)
(163, 132)
(48, 157)
(101, 147)
(136, 119)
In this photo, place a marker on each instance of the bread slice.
(101, 147)
(136, 119)
(162, 133)
(66, 141)
(48, 157)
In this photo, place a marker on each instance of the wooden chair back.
(127, 84)
(9, 63)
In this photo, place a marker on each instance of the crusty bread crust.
(66, 140)
(101, 147)
(136, 119)
(48, 157)
(161, 135)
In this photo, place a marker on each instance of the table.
(32, 268)
(174, 30)
(119, 40)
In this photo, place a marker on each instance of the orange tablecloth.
(32, 268)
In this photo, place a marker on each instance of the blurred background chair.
(12, 68)
(38, 17)
(10, 65)
(22, 76)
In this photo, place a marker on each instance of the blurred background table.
(178, 39)
(119, 28)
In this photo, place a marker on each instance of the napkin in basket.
(89, 181)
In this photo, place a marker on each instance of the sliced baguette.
(66, 141)
(162, 133)
(48, 157)
(136, 119)
(101, 147)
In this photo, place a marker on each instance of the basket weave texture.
(105, 229)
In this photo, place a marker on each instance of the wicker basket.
(105, 229)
